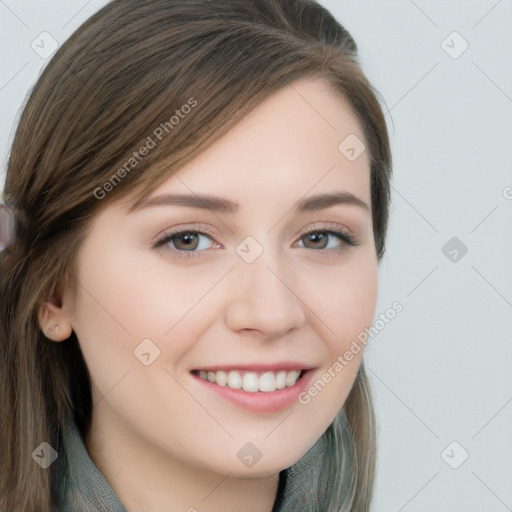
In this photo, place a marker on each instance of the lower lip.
(261, 401)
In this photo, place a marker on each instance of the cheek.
(347, 309)
(122, 306)
(357, 302)
(114, 313)
(346, 301)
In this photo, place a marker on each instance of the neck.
(145, 478)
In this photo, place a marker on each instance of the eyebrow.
(222, 205)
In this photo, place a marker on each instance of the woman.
(201, 195)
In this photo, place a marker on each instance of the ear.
(53, 320)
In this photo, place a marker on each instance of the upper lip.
(273, 367)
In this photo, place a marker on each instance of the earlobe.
(54, 322)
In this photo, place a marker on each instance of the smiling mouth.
(251, 381)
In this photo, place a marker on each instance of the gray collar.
(81, 485)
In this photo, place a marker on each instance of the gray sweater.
(83, 488)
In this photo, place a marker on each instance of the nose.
(263, 296)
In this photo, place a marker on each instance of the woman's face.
(246, 289)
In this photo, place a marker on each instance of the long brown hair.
(123, 74)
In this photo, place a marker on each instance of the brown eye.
(319, 239)
(185, 241)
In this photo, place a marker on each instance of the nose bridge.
(262, 296)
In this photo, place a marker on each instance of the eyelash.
(331, 229)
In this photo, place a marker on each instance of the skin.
(163, 441)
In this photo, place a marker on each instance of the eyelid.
(326, 226)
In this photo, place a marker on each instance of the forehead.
(292, 143)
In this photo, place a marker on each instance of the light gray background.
(441, 369)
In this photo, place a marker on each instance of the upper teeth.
(252, 381)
